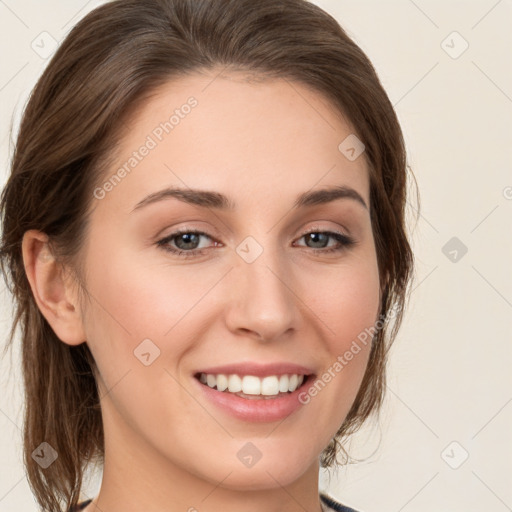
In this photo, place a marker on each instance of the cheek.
(133, 301)
(346, 303)
(142, 299)
(346, 300)
(140, 309)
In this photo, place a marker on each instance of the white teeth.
(271, 385)
(222, 382)
(251, 385)
(211, 380)
(283, 383)
(292, 385)
(234, 384)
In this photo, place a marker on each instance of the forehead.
(253, 137)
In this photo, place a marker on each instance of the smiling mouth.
(253, 387)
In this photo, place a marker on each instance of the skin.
(261, 144)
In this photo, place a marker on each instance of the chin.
(279, 468)
(259, 479)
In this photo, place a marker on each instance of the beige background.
(449, 394)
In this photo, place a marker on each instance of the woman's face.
(251, 294)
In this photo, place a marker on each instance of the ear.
(53, 289)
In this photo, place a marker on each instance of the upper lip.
(258, 369)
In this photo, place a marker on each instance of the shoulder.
(331, 505)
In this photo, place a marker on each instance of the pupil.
(190, 238)
(318, 238)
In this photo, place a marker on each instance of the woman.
(204, 234)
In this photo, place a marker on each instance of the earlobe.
(54, 294)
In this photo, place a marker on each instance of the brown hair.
(106, 66)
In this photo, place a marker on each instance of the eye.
(320, 240)
(186, 243)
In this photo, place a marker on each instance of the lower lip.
(257, 409)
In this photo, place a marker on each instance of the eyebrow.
(209, 199)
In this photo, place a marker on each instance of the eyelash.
(344, 240)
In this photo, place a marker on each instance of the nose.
(261, 303)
